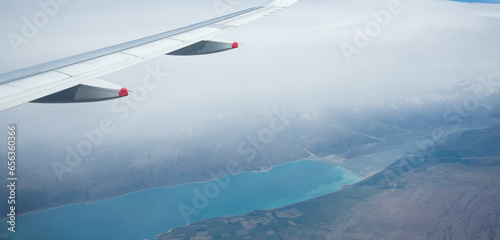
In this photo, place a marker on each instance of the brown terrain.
(448, 192)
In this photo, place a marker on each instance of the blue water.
(144, 214)
(478, 1)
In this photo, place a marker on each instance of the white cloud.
(289, 58)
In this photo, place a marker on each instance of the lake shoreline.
(293, 182)
(160, 187)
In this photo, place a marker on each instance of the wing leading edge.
(54, 78)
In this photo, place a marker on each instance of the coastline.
(344, 170)
(306, 169)
(198, 182)
(146, 189)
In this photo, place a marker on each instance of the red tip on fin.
(123, 92)
(235, 45)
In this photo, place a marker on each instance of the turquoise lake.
(144, 214)
(478, 1)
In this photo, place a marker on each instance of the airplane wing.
(75, 79)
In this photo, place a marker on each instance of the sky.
(296, 57)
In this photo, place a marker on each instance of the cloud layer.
(292, 58)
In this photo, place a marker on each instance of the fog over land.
(195, 120)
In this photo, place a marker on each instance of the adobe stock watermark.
(456, 115)
(31, 26)
(372, 29)
(75, 155)
(249, 149)
(224, 7)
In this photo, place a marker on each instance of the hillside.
(448, 193)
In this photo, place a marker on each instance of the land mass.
(450, 191)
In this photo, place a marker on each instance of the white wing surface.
(75, 79)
